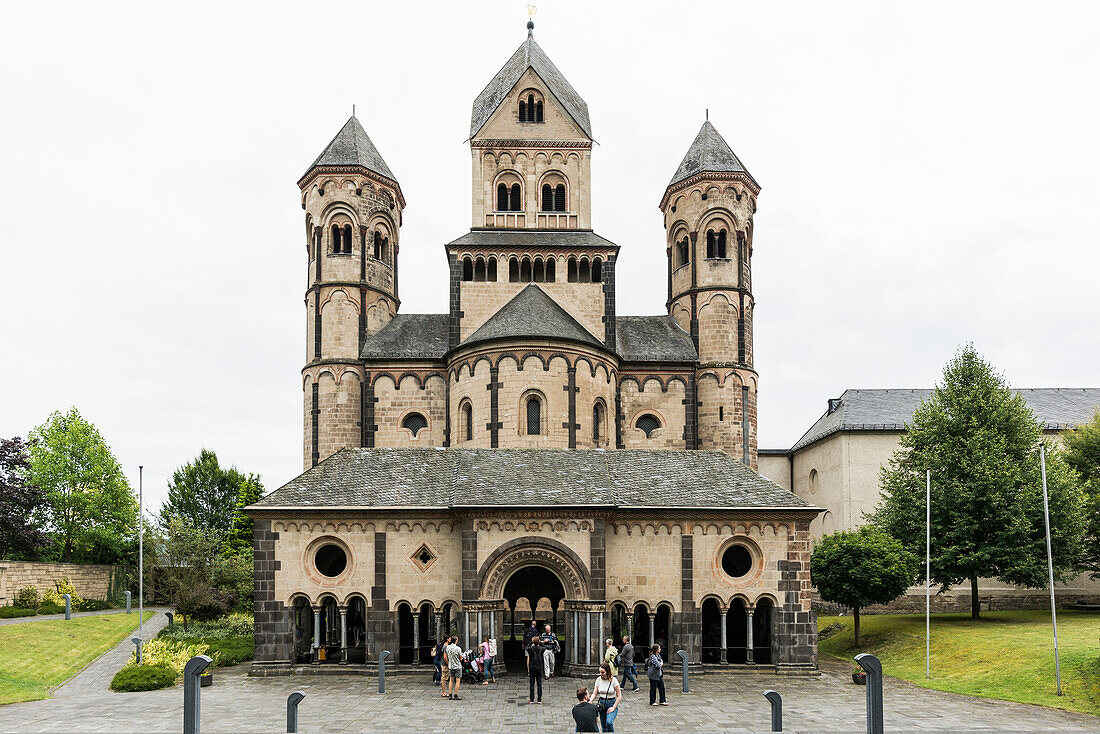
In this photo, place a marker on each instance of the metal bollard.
(128, 602)
(191, 692)
(292, 702)
(68, 606)
(873, 666)
(137, 644)
(171, 618)
(777, 709)
(684, 664)
(382, 671)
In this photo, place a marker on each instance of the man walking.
(454, 668)
(630, 670)
(529, 634)
(534, 669)
(548, 641)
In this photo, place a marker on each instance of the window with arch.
(415, 423)
(553, 198)
(597, 422)
(467, 423)
(341, 239)
(533, 412)
(479, 270)
(509, 197)
(513, 270)
(467, 269)
(716, 244)
(381, 247)
(813, 480)
(683, 252)
(647, 424)
(530, 106)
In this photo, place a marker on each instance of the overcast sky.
(929, 177)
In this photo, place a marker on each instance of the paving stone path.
(733, 703)
(46, 617)
(95, 679)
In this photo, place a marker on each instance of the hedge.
(12, 612)
(134, 677)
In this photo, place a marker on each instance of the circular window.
(331, 560)
(737, 561)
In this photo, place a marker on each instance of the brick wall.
(91, 581)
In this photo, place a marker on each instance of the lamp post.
(141, 553)
(1050, 565)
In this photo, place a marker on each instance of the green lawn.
(35, 657)
(1005, 655)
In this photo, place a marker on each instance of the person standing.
(437, 661)
(585, 713)
(548, 641)
(654, 670)
(609, 655)
(608, 695)
(630, 669)
(529, 634)
(454, 668)
(488, 651)
(534, 669)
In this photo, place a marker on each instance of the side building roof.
(1056, 408)
(653, 339)
(373, 479)
(409, 336)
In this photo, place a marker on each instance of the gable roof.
(653, 339)
(462, 478)
(1056, 408)
(709, 152)
(353, 147)
(409, 336)
(529, 56)
(532, 313)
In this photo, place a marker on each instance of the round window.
(737, 561)
(331, 560)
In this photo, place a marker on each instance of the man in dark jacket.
(630, 670)
(584, 713)
(529, 634)
(534, 668)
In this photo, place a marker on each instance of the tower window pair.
(553, 198)
(509, 198)
(683, 252)
(341, 239)
(716, 244)
(530, 109)
(381, 247)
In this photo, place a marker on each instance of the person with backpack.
(488, 652)
(548, 641)
(630, 669)
(534, 669)
(654, 670)
(611, 657)
(529, 634)
(437, 661)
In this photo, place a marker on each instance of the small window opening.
(736, 561)
(597, 271)
(571, 270)
(513, 270)
(522, 111)
(721, 413)
(534, 417)
(648, 424)
(538, 111)
(468, 421)
(517, 204)
(559, 198)
(502, 197)
(415, 423)
(467, 269)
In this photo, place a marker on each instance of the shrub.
(55, 595)
(239, 624)
(48, 607)
(27, 598)
(199, 602)
(134, 677)
(233, 625)
(173, 653)
(12, 612)
(94, 605)
(229, 650)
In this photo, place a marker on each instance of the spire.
(709, 152)
(353, 147)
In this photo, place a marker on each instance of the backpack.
(618, 661)
(492, 647)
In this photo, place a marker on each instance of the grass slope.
(37, 656)
(1004, 655)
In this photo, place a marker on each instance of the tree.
(858, 568)
(204, 495)
(1082, 453)
(22, 504)
(92, 509)
(189, 555)
(240, 537)
(980, 440)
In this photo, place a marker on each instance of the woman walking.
(607, 696)
(488, 650)
(654, 670)
(609, 655)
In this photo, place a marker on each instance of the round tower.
(708, 209)
(353, 208)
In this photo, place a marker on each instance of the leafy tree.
(1082, 453)
(204, 495)
(240, 537)
(92, 509)
(858, 568)
(22, 504)
(980, 440)
(189, 554)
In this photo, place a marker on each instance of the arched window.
(414, 422)
(525, 271)
(534, 416)
(648, 424)
(538, 273)
(377, 245)
(347, 239)
(385, 250)
(683, 252)
(571, 270)
(721, 243)
(513, 270)
(538, 111)
(515, 201)
(597, 422)
(584, 273)
(479, 270)
(467, 422)
(467, 269)
(711, 242)
(547, 198)
(522, 111)
(551, 266)
(491, 270)
(531, 107)
(502, 197)
(336, 238)
(559, 198)
(597, 270)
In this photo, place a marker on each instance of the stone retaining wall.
(91, 580)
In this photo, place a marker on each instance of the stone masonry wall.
(91, 580)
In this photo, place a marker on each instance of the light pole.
(928, 574)
(141, 554)
(1050, 564)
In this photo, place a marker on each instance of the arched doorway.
(762, 631)
(642, 639)
(620, 624)
(404, 634)
(737, 633)
(357, 630)
(662, 630)
(329, 644)
(712, 631)
(303, 630)
(426, 633)
(532, 584)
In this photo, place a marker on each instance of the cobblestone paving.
(237, 703)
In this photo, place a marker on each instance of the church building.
(531, 454)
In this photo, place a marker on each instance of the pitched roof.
(353, 147)
(455, 478)
(653, 339)
(529, 56)
(709, 152)
(531, 238)
(410, 336)
(1056, 408)
(532, 313)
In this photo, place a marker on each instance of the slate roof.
(457, 478)
(529, 56)
(531, 238)
(353, 147)
(1056, 408)
(653, 339)
(532, 313)
(709, 152)
(410, 336)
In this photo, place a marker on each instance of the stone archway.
(537, 551)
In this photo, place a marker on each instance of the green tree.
(980, 440)
(202, 494)
(92, 510)
(240, 537)
(190, 555)
(858, 568)
(22, 504)
(1082, 453)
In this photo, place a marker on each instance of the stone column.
(493, 625)
(602, 637)
(748, 636)
(416, 638)
(343, 635)
(588, 638)
(316, 634)
(438, 626)
(651, 629)
(478, 635)
(576, 641)
(722, 653)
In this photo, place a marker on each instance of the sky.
(928, 175)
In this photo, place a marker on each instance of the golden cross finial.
(531, 10)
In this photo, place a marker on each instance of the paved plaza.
(718, 702)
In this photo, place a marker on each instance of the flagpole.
(1050, 565)
(141, 550)
(928, 574)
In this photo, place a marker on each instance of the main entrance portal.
(533, 594)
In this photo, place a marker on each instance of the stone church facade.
(531, 453)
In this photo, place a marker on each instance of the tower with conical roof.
(353, 206)
(708, 208)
